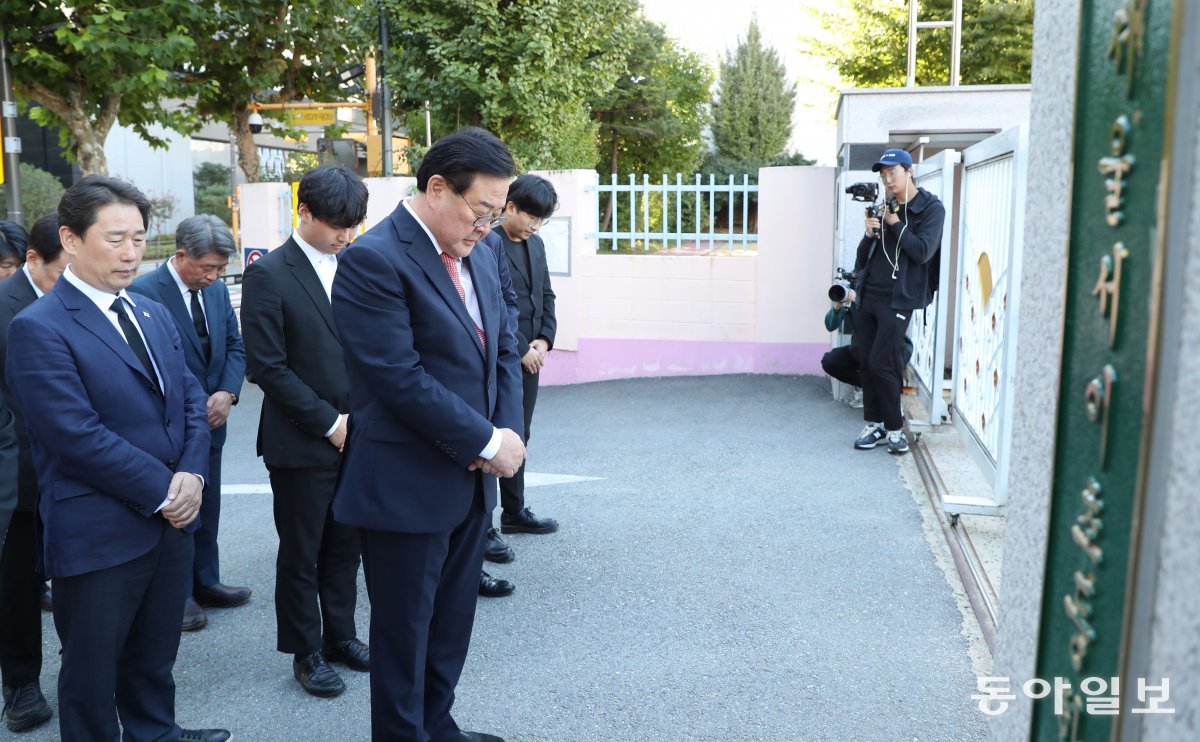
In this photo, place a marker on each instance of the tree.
(40, 193)
(651, 121)
(525, 70)
(866, 41)
(752, 116)
(92, 63)
(271, 51)
(210, 189)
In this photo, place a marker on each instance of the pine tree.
(752, 116)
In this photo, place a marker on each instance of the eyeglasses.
(487, 220)
(536, 223)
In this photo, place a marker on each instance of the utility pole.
(12, 142)
(386, 94)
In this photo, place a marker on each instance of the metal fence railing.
(649, 216)
(991, 214)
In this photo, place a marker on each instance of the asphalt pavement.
(728, 568)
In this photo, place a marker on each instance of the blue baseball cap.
(892, 157)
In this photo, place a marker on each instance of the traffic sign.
(315, 117)
(251, 254)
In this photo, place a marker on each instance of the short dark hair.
(12, 241)
(460, 156)
(202, 234)
(335, 195)
(534, 195)
(44, 239)
(79, 205)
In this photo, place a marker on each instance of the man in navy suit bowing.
(189, 285)
(436, 389)
(120, 443)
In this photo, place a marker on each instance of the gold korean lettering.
(1085, 532)
(1115, 169)
(1127, 46)
(1108, 286)
(1097, 400)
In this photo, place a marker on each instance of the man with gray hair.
(189, 285)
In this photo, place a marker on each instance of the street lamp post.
(12, 142)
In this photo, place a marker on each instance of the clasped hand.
(507, 460)
(185, 494)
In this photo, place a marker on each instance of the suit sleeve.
(234, 372)
(197, 439)
(8, 466)
(39, 359)
(371, 310)
(267, 355)
(549, 323)
(506, 285)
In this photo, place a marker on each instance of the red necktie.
(452, 269)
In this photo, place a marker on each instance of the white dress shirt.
(186, 293)
(326, 267)
(38, 292)
(324, 264)
(464, 278)
(103, 300)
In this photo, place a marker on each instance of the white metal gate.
(927, 330)
(991, 212)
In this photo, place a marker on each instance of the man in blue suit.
(435, 387)
(189, 285)
(120, 443)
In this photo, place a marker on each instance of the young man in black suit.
(189, 285)
(20, 584)
(293, 353)
(531, 201)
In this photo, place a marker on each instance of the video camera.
(867, 193)
(842, 289)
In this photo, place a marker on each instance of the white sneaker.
(870, 436)
(897, 442)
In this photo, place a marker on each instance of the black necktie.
(134, 338)
(198, 321)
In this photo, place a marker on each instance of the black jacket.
(16, 293)
(293, 353)
(920, 252)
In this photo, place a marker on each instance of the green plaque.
(1110, 332)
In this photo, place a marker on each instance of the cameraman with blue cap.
(897, 264)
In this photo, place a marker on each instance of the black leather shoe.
(204, 735)
(478, 737)
(25, 707)
(496, 550)
(494, 587)
(524, 521)
(317, 676)
(221, 596)
(47, 602)
(194, 617)
(352, 653)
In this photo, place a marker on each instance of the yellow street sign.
(315, 117)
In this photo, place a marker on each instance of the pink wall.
(759, 311)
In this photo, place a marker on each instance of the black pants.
(878, 342)
(512, 489)
(20, 604)
(206, 567)
(316, 571)
(119, 629)
(842, 364)
(423, 589)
